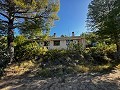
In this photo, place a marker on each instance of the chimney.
(54, 35)
(72, 34)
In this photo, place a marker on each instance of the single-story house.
(62, 42)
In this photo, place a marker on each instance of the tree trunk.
(118, 50)
(10, 39)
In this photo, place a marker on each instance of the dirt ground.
(84, 81)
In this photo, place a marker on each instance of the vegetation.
(27, 12)
(26, 49)
(50, 63)
(3, 54)
(62, 62)
(102, 45)
(104, 19)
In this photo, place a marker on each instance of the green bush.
(61, 62)
(3, 54)
(58, 62)
(60, 57)
(81, 68)
(27, 49)
(3, 47)
(101, 54)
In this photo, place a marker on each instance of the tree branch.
(30, 17)
(47, 13)
(2, 28)
(1, 4)
(3, 21)
(22, 11)
(4, 15)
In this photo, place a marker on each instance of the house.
(62, 42)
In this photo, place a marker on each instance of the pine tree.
(14, 12)
(104, 18)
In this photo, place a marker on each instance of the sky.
(72, 14)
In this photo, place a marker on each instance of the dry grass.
(81, 68)
(118, 67)
(16, 69)
(91, 68)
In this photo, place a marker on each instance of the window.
(68, 42)
(57, 43)
(46, 43)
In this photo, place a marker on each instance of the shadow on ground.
(85, 81)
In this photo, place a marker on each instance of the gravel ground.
(85, 81)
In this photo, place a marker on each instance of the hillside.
(83, 81)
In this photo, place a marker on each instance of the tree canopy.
(19, 11)
(15, 12)
(104, 18)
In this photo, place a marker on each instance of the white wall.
(62, 45)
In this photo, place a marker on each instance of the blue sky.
(72, 14)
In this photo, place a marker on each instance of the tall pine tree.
(14, 12)
(104, 19)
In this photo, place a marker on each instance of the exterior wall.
(52, 45)
(63, 44)
(75, 41)
(83, 43)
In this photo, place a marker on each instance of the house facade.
(62, 42)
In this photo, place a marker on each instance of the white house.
(62, 42)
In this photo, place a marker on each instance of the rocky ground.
(84, 81)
